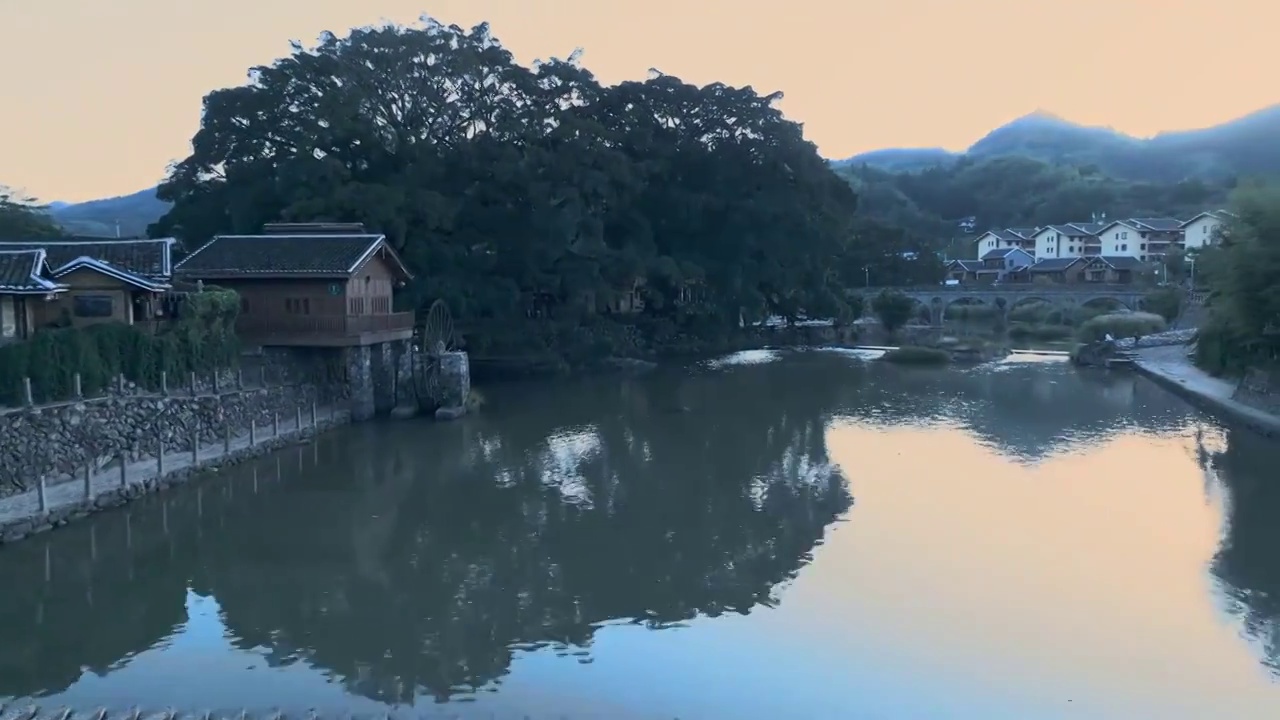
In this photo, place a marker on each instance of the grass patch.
(1121, 325)
(916, 355)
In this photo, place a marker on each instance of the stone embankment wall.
(58, 441)
(1260, 389)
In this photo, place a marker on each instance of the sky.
(97, 97)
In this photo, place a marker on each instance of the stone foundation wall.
(1260, 389)
(58, 441)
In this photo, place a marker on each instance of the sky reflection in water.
(769, 535)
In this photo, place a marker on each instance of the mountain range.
(1242, 147)
(1246, 146)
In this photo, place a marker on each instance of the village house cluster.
(1099, 252)
(316, 285)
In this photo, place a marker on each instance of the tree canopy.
(21, 217)
(1242, 274)
(499, 183)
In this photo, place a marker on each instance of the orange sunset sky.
(99, 95)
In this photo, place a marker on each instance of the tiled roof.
(1087, 228)
(1053, 264)
(997, 253)
(279, 255)
(1157, 224)
(1223, 215)
(22, 272)
(1014, 234)
(148, 259)
(970, 265)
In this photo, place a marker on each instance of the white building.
(1203, 229)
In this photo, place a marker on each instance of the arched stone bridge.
(1008, 296)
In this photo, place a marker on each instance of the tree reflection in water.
(441, 559)
(412, 558)
(1246, 562)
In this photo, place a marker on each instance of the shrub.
(1165, 302)
(1121, 325)
(916, 355)
(1043, 332)
(893, 309)
(201, 340)
(960, 312)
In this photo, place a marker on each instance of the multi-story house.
(1142, 238)
(1021, 238)
(1066, 241)
(1203, 230)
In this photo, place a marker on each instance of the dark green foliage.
(1120, 326)
(200, 341)
(1015, 191)
(533, 198)
(21, 217)
(893, 309)
(1243, 279)
(917, 355)
(1165, 302)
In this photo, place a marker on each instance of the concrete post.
(275, 425)
(298, 427)
(314, 416)
(78, 386)
(195, 448)
(42, 495)
(226, 440)
(191, 380)
(164, 382)
(124, 471)
(88, 482)
(160, 459)
(28, 397)
(253, 432)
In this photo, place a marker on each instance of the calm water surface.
(797, 536)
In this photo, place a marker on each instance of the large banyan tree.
(498, 182)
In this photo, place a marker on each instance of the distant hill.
(1246, 146)
(99, 217)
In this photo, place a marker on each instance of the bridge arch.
(1129, 304)
(946, 303)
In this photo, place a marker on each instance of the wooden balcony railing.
(323, 325)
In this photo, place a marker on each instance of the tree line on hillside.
(1017, 192)
(506, 186)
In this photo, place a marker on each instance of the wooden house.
(307, 284)
(25, 288)
(122, 281)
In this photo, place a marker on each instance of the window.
(1124, 235)
(1124, 247)
(1204, 230)
(297, 306)
(1143, 246)
(93, 306)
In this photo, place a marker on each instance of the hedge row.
(200, 340)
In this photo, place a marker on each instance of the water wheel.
(436, 338)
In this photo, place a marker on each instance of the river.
(804, 535)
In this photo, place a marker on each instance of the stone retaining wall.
(57, 442)
(1260, 389)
